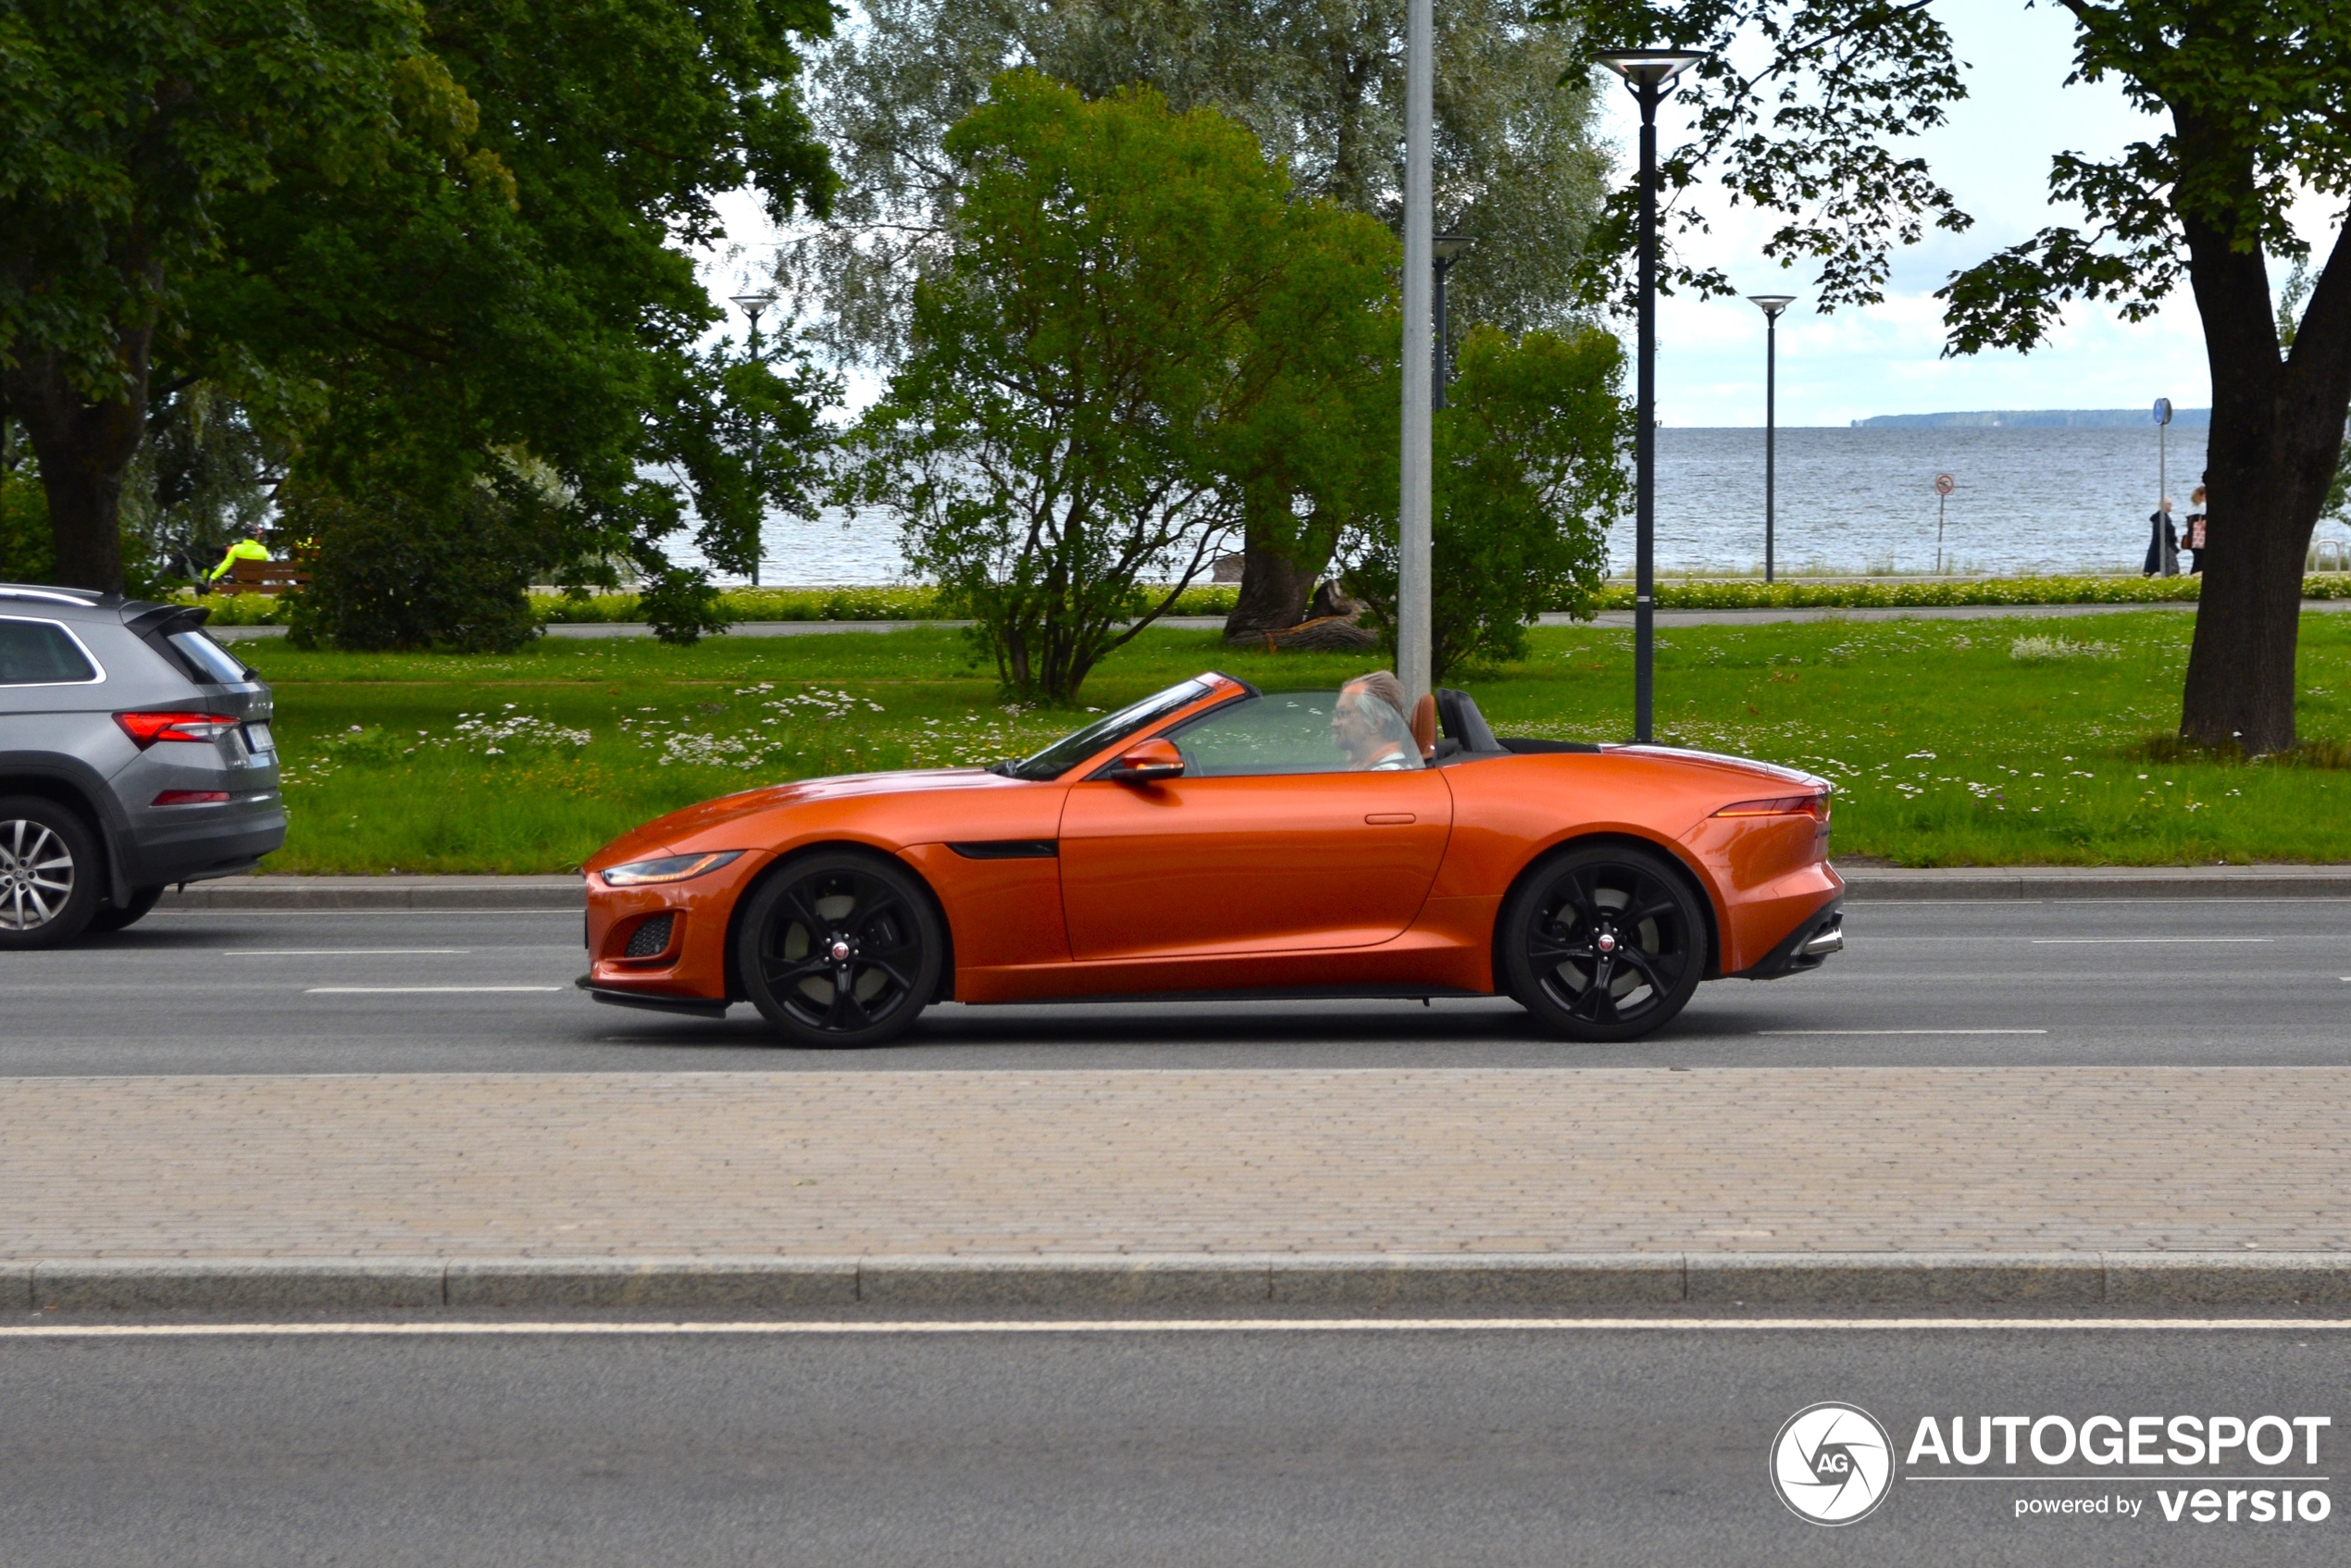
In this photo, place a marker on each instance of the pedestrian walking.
(2198, 523)
(2163, 547)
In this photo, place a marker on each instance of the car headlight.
(669, 868)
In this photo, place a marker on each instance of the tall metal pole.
(752, 305)
(1645, 430)
(1414, 639)
(1771, 434)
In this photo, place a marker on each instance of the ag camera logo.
(1832, 1463)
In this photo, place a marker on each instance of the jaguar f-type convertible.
(1216, 841)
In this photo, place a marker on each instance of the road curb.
(1966, 883)
(1348, 1283)
(436, 894)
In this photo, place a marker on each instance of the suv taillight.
(145, 729)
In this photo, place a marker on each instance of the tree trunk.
(84, 448)
(1273, 597)
(2277, 428)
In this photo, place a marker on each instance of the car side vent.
(648, 939)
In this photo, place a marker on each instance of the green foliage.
(25, 554)
(393, 569)
(1528, 472)
(1321, 86)
(1130, 289)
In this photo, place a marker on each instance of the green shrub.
(391, 571)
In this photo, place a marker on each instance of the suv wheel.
(48, 872)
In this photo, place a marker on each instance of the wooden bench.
(260, 577)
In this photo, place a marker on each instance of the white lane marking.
(2138, 941)
(1901, 1031)
(416, 990)
(1186, 1325)
(341, 951)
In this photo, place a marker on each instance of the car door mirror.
(1147, 762)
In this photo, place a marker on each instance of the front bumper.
(1806, 948)
(694, 1007)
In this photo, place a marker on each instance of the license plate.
(257, 740)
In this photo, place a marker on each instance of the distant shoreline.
(2036, 420)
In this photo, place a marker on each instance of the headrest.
(1424, 725)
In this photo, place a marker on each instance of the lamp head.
(751, 304)
(1772, 304)
(1448, 247)
(1649, 68)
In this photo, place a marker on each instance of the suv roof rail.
(53, 595)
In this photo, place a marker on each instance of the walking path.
(1608, 617)
(1654, 1174)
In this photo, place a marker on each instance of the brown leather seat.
(1424, 725)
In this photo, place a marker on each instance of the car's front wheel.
(48, 873)
(839, 948)
(1605, 943)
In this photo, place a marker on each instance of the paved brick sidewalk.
(1020, 1164)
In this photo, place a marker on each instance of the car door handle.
(1388, 818)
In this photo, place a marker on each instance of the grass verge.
(1982, 743)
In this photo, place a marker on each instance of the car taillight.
(191, 798)
(1814, 806)
(145, 729)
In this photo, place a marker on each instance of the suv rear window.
(42, 654)
(216, 663)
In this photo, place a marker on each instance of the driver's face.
(1349, 730)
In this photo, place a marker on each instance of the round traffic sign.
(2162, 410)
(1945, 484)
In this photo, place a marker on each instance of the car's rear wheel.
(840, 950)
(118, 916)
(1605, 943)
(48, 872)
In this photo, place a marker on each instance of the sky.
(1886, 358)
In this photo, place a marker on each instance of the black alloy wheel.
(839, 948)
(1604, 943)
(49, 873)
(115, 916)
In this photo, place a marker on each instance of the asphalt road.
(2122, 982)
(1444, 1447)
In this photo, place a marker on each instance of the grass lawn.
(1982, 743)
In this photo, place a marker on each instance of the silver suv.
(134, 753)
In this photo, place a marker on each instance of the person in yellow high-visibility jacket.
(246, 548)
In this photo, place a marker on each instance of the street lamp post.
(1414, 637)
(1446, 249)
(752, 305)
(1647, 72)
(1772, 305)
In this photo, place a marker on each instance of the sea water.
(1849, 501)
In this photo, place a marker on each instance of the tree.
(1529, 453)
(124, 124)
(1320, 83)
(458, 251)
(1114, 329)
(746, 435)
(1799, 103)
(454, 323)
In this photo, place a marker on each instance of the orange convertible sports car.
(1215, 841)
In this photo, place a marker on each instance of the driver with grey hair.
(1368, 724)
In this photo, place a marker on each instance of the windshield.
(1071, 750)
